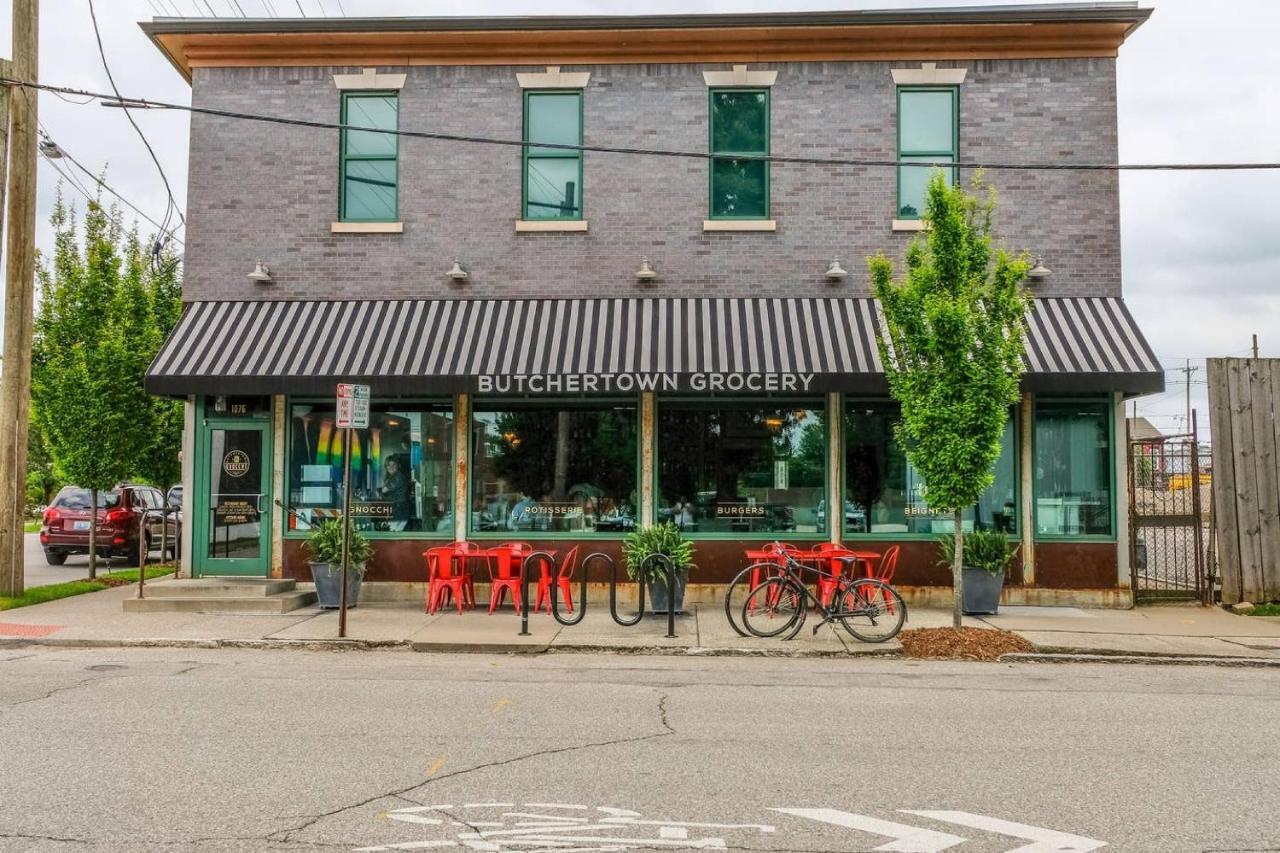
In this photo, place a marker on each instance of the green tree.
(952, 347)
(94, 338)
(159, 464)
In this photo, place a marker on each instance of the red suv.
(120, 522)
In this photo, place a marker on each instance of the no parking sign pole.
(353, 414)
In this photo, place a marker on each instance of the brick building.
(565, 343)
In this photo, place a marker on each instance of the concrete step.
(281, 602)
(219, 587)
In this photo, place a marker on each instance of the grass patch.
(1264, 610)
(31, 526)
(52, 592)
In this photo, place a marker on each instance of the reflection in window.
(553, 176)
(885, 494)
(369, 159)
(401, 468)
(541, 469)
(742, 468)
(1073, 469)
(739, 125)
(927, 133)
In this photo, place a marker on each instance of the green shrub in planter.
(987, 555)
(325, 545)
(666, 539)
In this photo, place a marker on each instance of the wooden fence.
(1244, 410)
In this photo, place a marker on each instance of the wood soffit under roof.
(193, 43)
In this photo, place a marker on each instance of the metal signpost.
(353, 414)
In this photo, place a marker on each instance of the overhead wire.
(144, 103)
(102, 53)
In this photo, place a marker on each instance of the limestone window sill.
(908, 225)
(550, 226)
(367, 228)
(740, 225)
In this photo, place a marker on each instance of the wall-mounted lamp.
(646, 272)
(261, 274)
(1039, 272)
(456, 272)
(835, 272)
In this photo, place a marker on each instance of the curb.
(161, 643)
(1144, 659)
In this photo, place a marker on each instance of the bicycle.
(869, 609)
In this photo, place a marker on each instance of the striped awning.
(601, 345)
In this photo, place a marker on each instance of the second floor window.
(928, 132)
(552, 176)
(739, 125)
(369, 160)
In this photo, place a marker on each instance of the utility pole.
(19, 296)
(1188, 371)
(1255, 346)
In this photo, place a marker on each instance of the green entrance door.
(233, 533)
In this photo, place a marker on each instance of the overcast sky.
(1197, 84)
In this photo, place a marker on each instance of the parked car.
(65, 526)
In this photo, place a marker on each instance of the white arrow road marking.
(1043, 840)
(906, 839)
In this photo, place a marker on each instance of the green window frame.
(913, 180)
(369, 161)
(725, 171)
(542, 166)
(298, 525)
(507, 404)
(1100, 405)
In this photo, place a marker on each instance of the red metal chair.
(836, 565)
(465, 552)
(507, 577)
(888, 564)
(442, 578)
(563, 579)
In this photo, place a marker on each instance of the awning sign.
(353, 406)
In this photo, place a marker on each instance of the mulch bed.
(962, 644)
(112, 580)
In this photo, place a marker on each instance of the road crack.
(285, 835)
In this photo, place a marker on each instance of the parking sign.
(353, 406)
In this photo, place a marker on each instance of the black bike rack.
(645, 568)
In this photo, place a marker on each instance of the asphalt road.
(244, 750)
(40, 573)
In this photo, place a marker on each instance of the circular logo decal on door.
(236, 463)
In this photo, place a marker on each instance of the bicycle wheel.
(735, 594)
(871, 610)
(774, 607)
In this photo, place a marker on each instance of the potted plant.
(643, 543)
(987, 555)
(325, 546)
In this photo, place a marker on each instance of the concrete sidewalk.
(98, 619)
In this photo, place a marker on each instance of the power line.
(300, 9)
(173, 205)
(143, 103)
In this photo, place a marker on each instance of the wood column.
(1026, 487)
(461, 462)
(835, 467)
(648, 441)
(279, 500)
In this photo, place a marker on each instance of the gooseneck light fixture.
(1039, 272)
(261, 274)
(835, 272)
(646, 272)
(457, 272)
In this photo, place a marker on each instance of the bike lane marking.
(906, 839)
(1043, 840)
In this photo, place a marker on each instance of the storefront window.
(1073, 468)
(543, 468)
(401, 468)
(742, 467)
(884, 494)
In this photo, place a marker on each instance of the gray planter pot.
(328, 580)
(982, 592)
(658, 592)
